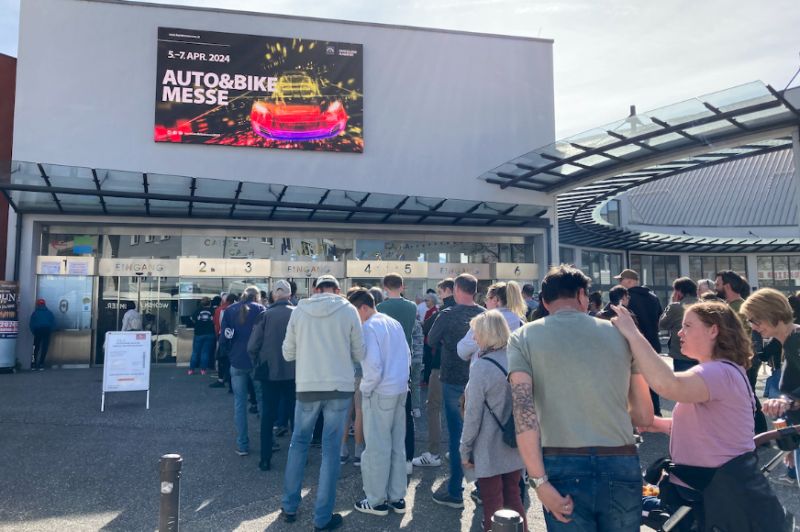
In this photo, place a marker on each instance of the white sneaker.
(409, 468)
(427, 459)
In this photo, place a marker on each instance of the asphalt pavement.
(67, 466)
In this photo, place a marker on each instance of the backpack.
(508, 428)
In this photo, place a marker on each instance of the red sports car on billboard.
(298, 111)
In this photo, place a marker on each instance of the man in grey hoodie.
(324, 338)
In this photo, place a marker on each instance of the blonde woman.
(497, 466)
(506, 298)
(770, 314)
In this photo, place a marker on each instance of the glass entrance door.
(155, 298)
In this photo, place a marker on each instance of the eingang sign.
(269, 92)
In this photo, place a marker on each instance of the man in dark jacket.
(265, 348)
(450, 326)
(42, 324)
(645, 304)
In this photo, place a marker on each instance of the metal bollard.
(170, 476)
(506, 521)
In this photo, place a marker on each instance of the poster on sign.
(126, 367)
(9, 324)
(265, 92)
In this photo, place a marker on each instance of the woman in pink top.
(712, 422)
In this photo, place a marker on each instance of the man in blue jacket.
(42, 324)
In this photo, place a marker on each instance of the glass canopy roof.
(590, 168)
(645, 141)
(48, 188)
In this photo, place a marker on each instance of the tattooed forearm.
(525, 417)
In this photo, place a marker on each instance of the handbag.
(508, 428)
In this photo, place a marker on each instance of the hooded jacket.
(325, 338)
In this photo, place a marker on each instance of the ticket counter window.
(69, 298)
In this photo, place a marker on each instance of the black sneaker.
(445, 499)
(287, 517)
(398, 507)
(217, 384)
(276, 446)
(475, 495)
(333, 524)
(264, 465)
(253, 409)
(280, 432)
(365, 507)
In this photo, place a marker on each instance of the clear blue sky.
(608, 54)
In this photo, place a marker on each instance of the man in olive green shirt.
(576, 393)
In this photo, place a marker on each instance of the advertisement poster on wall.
(9, 324)
(268, 92)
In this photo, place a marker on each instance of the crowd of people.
(545, 394)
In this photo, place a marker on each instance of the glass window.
(707, 266)
(567, 255)
(69, 245)
(610, 212)
(601, 267)
(779, 272)
(657, 272)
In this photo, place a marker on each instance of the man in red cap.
(42, 324)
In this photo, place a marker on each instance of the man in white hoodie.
(384, 387)
(324, 338)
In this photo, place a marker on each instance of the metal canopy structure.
(593, 167)
(54, 189)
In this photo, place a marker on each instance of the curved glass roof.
(588, 169)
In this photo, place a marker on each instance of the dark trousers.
(41, 343)
(427, 359)
(409, 429)
(272, 394)
(498, 492)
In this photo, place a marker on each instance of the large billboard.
(268, 92)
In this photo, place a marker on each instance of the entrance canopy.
(588, 169)
(54, 189)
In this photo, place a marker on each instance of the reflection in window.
(781, 272)
(610, 212)
(601, 267)
(567, 255)
(70, 245)
(707, 266)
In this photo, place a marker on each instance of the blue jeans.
(202, 348)
(606, 492)
(451, 394)
(239, 383)
(305, 417)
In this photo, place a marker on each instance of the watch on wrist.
(537, 482)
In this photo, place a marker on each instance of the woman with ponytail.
(237, 325)
(506, 298)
